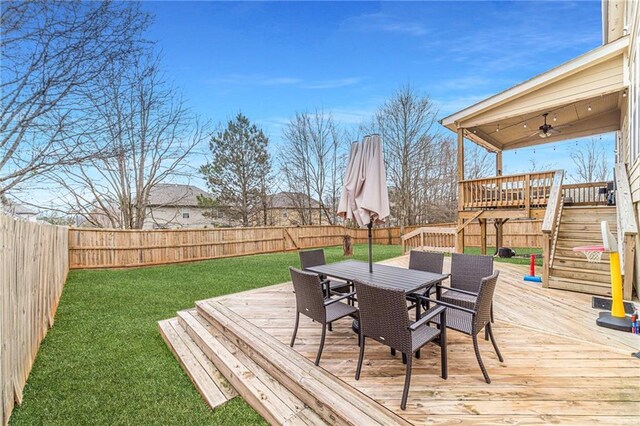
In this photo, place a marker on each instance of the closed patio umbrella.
(364, 198)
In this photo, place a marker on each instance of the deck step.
(580, 262)
(332, 399)
(568, 253)
(262, 391)
(582, 286)
(213, 387)
(591, 275)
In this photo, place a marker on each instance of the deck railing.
(585, 194)
(627, 228)
(430, 238)
(550, 224)
(526, 191)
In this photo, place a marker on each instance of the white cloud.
(258, 80)
(383, 22)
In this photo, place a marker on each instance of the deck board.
(559, 366)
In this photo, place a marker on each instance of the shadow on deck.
(559, 366)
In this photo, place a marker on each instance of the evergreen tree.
(237, 172)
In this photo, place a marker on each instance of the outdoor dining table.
(408, 280)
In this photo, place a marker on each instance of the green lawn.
(527, 252)
(104, 361)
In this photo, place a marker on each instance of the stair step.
(585, 239)
(213, 387)
(591, 208)
(579, 235)
(581, 286)
(568, 253)
(331, 398)
(263, 392)
(584, 226)
(580, 263)
(580, 274)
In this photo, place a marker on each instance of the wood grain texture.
(33, 268)
(559, 366)
(209, 382)
(116, 248)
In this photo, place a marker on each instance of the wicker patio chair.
(311, 302)
(310, 258)
(472, 320)
(385, 319)
(467, 272)
(424, 261)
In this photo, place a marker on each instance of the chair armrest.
(470, 293)
(448, 305)
(429, 315)
(337, 299)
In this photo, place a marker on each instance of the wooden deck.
(559, 366)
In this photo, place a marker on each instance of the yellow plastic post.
(617, 308)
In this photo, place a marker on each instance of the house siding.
(171, 217)
(631, 117)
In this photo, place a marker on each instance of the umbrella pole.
(370, 225)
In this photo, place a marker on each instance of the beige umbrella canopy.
(365, 199)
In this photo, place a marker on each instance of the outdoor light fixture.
(554, 117)
(624, 94)
(589, 107)
(498, 128)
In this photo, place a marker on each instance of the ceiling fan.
(547, 130)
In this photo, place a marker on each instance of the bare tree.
(52, 53)
(591, 162)
(311, 162)
(406, 125)
(149, 133)
(478, 162)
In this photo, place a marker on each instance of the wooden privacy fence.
(33, 268)
(114, 248)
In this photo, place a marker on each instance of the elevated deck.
(559, 366)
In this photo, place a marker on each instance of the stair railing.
(431, 238)
(550, 223)
(627, 228)
(554, 242)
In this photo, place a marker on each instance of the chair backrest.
(468, 270)
(310, 258)
(309, 294)
(484, 301)
(426, 261)
(383, 315)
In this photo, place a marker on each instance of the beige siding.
(631, 136)
(602, 78)
(171, 217)
(631, 120)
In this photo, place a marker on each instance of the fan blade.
(553, 130)
(562, 127)
(534, 133)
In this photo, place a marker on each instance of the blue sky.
(271, 59)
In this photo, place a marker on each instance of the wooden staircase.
(580, 226)
(278, 382)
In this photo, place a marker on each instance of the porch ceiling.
(582, 98)
(579, 119)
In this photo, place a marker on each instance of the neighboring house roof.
(291, 200)
(164, 194)
(16, 209)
